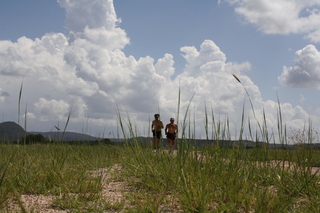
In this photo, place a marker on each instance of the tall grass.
(209, 179)
(59, 170)
(19, 101)
(65, 127)
(212, 178)
(220, 179)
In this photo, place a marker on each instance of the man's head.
(156, 116)
(172, 120)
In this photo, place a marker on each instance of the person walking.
(171, 131)
(156, 128)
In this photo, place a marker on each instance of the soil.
(113, 191)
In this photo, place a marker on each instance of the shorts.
(156, 133)
(171, 136)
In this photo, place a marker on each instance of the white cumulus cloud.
(305, 73)
(282, 16)
(88, 74)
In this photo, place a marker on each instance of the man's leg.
(158, 139)
(158, 143)
(169, 143)
(173, 143)
(154, 143)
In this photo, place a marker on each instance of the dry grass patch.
(111, 195)
(31, 203)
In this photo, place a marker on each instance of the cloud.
(95, 22)
(306, 71)
(95, 14)
(3, 95)
(88, 74)
(208, 58)
(282, 16)
(50, 109)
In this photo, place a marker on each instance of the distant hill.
(13, 132)
(10, 131)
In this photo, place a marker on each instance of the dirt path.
(112, 193)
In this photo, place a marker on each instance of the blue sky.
(136, 53)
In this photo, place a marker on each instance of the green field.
(131, 178)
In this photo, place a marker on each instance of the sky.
(93, 61)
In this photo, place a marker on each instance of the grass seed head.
(236, 78)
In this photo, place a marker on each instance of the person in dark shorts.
(156, 128)
(171, 131)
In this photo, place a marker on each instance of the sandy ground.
(112, 192)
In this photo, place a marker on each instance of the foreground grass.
(226, 180)
(59, 170)
(213, 179)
